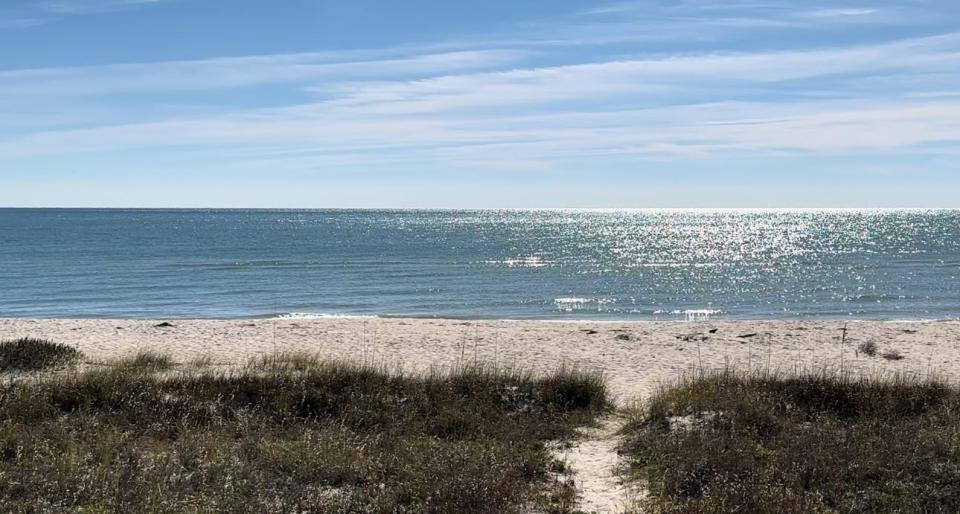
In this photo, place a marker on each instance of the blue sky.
(423, 103)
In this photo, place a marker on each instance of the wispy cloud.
(608, 108)
(66, 7)
(233, 72)
(38, 13)
(512, 104)
(648, 81)
(842, 13)
(712, 20)
(20, 22)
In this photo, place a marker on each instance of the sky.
(501, 103)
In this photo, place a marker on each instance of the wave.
(321, 315)
(692, 314)
(532, 261)
(570, 304)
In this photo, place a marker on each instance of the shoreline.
(635, 356)
(311, 317)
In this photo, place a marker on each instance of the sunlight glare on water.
(511, 264)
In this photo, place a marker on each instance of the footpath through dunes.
(598, 470)
(635, 357)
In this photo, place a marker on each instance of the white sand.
(635, 356)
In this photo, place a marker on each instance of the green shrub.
(29, 354)
(762, 443)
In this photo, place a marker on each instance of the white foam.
(570, 304)
(692, 314)
(314, 315)
(583, 300)
(532, 261)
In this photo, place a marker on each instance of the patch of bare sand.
(634, 356)
(596, 468)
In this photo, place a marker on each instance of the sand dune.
(634, 356)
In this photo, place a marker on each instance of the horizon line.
(586, 209)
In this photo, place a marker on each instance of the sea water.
(498, 264)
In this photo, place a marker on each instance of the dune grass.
(146, 361)
(289, 434)
(28, 354)
(765, 443)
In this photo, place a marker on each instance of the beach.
(635, 357)
(609, 257)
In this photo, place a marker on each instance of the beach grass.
(819, 442)
(289, 433)
(145, 361)
(29, 354)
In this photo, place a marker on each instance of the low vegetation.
(892, 355)
(288, 435)
(762, 443)
(868, 348)
(146, 361)
(29, 354)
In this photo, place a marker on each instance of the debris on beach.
(892, 355)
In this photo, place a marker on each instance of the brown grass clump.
(892, 355)
(147, 362)
(868, 348)
(759, 443)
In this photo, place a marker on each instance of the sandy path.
(635, 357)
(595, 464)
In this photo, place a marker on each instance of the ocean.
(491, 264)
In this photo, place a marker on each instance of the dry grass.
(868, 348)
(761, 443)
(892, 355)
(29, 354)
(146, 362)
(288, 434)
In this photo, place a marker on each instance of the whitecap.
(321, 315)
(570, 304)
